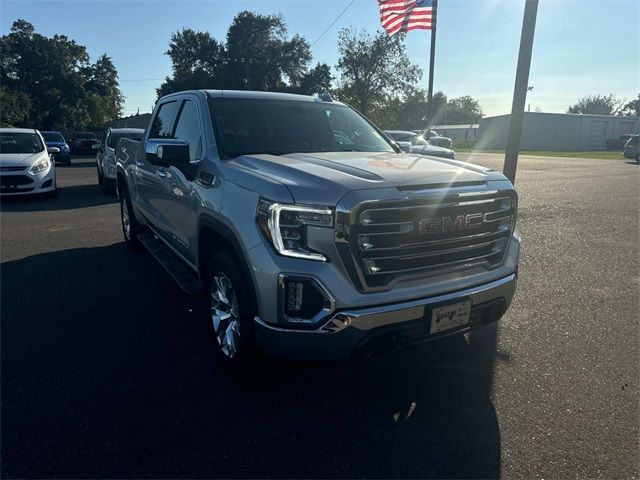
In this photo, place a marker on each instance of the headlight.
(39, 167)
(286, 226)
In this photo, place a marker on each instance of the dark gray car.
(417, 144)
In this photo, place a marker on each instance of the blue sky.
(581, 46)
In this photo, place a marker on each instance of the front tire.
(230, 313)
(100, 177)
(130, 226)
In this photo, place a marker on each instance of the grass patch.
(603, 155)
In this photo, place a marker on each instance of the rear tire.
(130, 226)
(230, 312)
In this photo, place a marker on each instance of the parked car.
(26, 166)
(82, 142)
(417, 144)
(632, 148)
(617, 143)
(308, 233)
(56, 139)
(435, 138)
(106, 157)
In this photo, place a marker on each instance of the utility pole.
(520, 89)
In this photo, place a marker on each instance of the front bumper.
(23, 183)
(362, 331)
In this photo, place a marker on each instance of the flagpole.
(432, 58)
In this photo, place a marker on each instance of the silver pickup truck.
(308, 233)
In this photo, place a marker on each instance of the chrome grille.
(409, 238)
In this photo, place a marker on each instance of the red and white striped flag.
(404, 15)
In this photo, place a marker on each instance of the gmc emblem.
(431, 226)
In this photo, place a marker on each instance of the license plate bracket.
(449, 316)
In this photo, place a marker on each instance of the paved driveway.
(106, 371)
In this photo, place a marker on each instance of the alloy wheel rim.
(126, 224)
(224, 315)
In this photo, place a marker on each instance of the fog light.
(303, 300)
(294, 296)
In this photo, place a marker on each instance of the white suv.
(26, 166)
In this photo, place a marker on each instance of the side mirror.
(53, 150)
(404, 146)
(167, 152)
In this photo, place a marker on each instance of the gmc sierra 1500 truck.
(310, 233)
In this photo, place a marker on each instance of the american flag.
(404, 15)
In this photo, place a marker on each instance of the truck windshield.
(20, 143)
(278, 127)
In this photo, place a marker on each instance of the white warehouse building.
(557, 131)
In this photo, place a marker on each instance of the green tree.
(411, 111)
(373, 69)
(65, 91)
(436, 110)
(632, 108)
(14, 107)
(319, 78)
(597, 104)
(104, 96)
(462, 110)
(198, 62)
(258, 55)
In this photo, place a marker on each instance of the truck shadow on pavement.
(80, 161)
(77, 196)
(107, 372)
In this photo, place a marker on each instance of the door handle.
(161, 173)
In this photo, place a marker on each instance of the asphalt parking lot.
(106, 371)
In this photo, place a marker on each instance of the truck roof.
(256, 95)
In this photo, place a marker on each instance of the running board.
(181, 274)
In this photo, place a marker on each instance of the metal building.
(558, 131)
(134, 121)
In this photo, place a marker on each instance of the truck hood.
(21, 159)
(324, 178)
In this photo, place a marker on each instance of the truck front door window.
(188, 129)
(163, 121)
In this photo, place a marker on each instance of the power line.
(333, 23)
